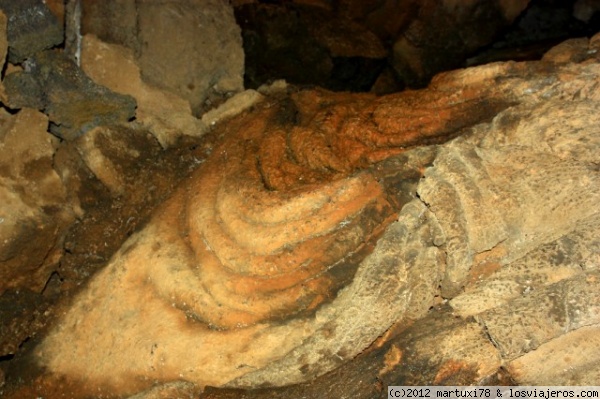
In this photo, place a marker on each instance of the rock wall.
(190, 48)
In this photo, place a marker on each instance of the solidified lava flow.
(277, 214)
(229, 271)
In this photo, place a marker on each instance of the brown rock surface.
(74, 104)
(165, 114)
(571, 359)
(35, 213)
(385, 46)
(519, 206)
(507, 199)
(31, 28)
(279, 260)
(254, 272)
(271, 227)
(34, 202)
(191, 48)
(3, 49)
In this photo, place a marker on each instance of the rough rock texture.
(204, 61)
(234, 271)
(34, 209)
(74, 103)
(304, 237)
(435, 350)
(165, 114)
(112, 22)
(570, 359)
(22, 311)
(31, 28)
(34, 206)
(147, 171)
(3, 49)
(192, 48)
(254, 272)
(515, 207)
(112, 164)
(33, 201)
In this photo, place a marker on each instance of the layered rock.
(255, 273)
(512, 210)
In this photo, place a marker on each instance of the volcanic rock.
(31, 28)
(34, 202)
(325, 221)
(190, 48)
(270, 229)
(514, 207)
(73, 102)
(165, 114)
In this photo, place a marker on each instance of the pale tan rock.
(110, 173)
(206, 291)
(571, 359)
(545, 179)
(34, 205)
(165, 114)
(198, 353)
(550, 263)
(192, 49)
(461, 348)
(535, 318)
(204, 27)
(407, 292)
(232, 107)
(34, 202)
(493, 285)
